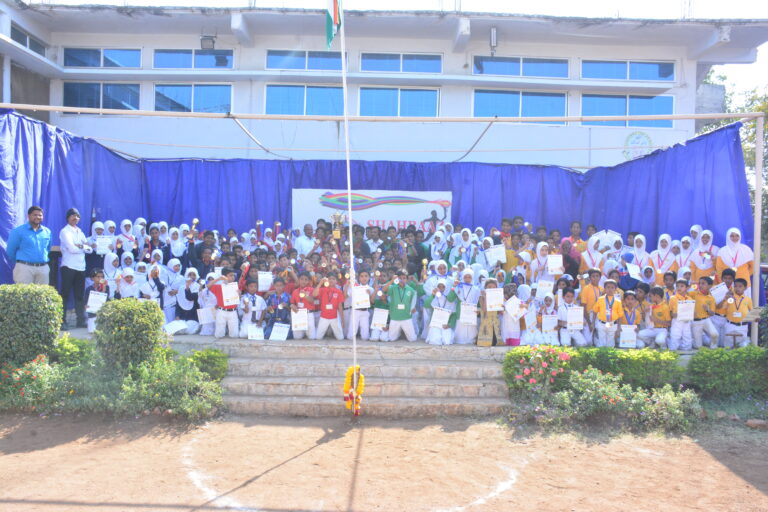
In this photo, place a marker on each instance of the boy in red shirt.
(302, 298)
(331, 304)
(226, 316)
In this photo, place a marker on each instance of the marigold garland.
(354, 394)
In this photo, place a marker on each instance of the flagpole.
(352, 277)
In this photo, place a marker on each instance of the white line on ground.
(500, 489)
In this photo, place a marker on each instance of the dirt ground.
(451, 465)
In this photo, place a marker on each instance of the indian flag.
(332, 20)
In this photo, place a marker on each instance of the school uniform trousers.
(731, 328)
(226, 323)
(325, 323)
(647, 337)
(606, 336)
(719, 322)
(311, 328)
(361, 324)
(699, 326)
(572, 336)
(680, 337)
(395, 326)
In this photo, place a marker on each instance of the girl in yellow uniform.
(737, 256)
(642, 258)
(662, 258)
(592, 257)
(703, 259)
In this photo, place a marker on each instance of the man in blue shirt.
(28, 248)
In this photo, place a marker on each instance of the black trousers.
(73, 281)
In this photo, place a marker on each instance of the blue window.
(325, 101)
(122, 96)
(36, 46)
(173, 98)
(380, 101)
(82, 57)
(556, 68)
(418, 103)
(213, 59)
(497, 66)
(658, 71)
(18, 35)
(543, 104)
(285, 99)
(616, 70)
(213, 98)
(324, 60)
(603, 105)
(380, 62)
(650, 105)
(80, 94)
(286, 59)
(417, 63)
(121, 58)
(173, 58)
(376, 101)
(489, 103)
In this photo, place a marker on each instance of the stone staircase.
(305, 378)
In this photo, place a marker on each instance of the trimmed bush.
(212, 362)
(645, 368)
(30, 319)
(128, 331)
(722, 372)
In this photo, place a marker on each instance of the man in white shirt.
(306, 242)
(74, 247)
(374, 240)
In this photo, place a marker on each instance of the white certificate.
(360, 297)
(531, 321)
(175, 327)
(555, 264)
(300, 320)
(634, 271)
(230, 294)
(685, 310)
(628, 337)
(440, 317)
(543, 288)
(102, 244)
(468, 314)
(718, 292)
(548, 323)
(494, 299)
(279, 332)
(512, 307)
(496, 254)
(575, 318)
(205, 315)
(265, 281)
(95, 301)
(256, 332)
(379, 318)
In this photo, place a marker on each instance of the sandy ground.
(269, 464)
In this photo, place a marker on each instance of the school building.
(401, 64)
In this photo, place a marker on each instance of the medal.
(302, 295)
(379, 293)
(326, 284)
(734, 269)
(731, 301)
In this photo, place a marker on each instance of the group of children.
(437, 285)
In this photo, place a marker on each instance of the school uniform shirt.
(589, 295)
(631, 317)
(400, 300)
(660, 313)
(330, 298)
(562, 311)
(736, 256)
(303, 302)
(675, 299)
(608, 309)
(279, 314)
(703, 259)
(216, 290)
(702, 301)
(723, 308)
(736, 311)
(668, 294)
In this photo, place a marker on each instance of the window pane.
(604, 69)
(650, 105)
(81, 94)
(173, 58)
(124, 96)
(279, 59)
(325, 101)
(422, 63)
(497, 66)
(173, 98)
(597, 105)
(540, 104)
(324, 60)
(557, 68)
(122, 58)
(380, 62)
(213, 58)
(82, 57)
(36, 46)
(18, 35)
(664, 71)
(418, 103)
(213, 98)
(378, 102)
(285, 99)
(497, 103)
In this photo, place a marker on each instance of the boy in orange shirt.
(737, 307)
(607, 310)
(661, 319)
(705, 308)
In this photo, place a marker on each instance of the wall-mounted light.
(207, 42)
(493, 41)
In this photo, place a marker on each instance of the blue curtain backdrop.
(701, 182)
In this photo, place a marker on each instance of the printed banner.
(382, 208)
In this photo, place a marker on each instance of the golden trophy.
(338, 219)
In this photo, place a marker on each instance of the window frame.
(306, 60)
(304, 86)
(101, 92)
(626, 97)
(29, 37)
(194, 54)
(628, 63)
(192, 85)
(521, 93)
(401, 54)
(398, 89)
(521, 59)
(101, 57)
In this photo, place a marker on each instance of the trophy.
(338, 219)
(195, 222)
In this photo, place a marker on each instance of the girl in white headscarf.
(187, 292)
(642, 258)
(539, 268)
(176, 246)
(547, 308)
(735, 255)
(530, 333)
(141, 273)
(462, 244)
(110, 229)
(127, 261)
(662, 258)
(465, 295)
(438, 246)
(481, 254)
(523, 269)
(592, 257)
(649, 276)
(696, 231)
(206, 299)
(171, 278)
(112, 272)
(164, 235)
(703, 259)
(683, 260)
(152, 288)
(126, 240)
(127, 286)
(478, 235)
(140, 231)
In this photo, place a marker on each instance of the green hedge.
(30, 319)
(730, 372)
(128, 331)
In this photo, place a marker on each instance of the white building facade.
(401, 64)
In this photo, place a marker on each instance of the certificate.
(300, 320)
(175, 327)
(440, 317)
(634, 271)
(95, 301)
(575, 318)
(494, 299)
(555, 264)
(496, 254)
(543, 288)
(628, 337)
(548, 323)
(718, 292)
(531, 321)
(265, 281)
(360, 297)
(468, 314)
(512, 307)
(102, 244)
(230, 294)
(256, 332)
(379, 318)
(279, 332)
(205, 316)
(685, 309)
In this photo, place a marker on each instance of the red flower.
(605, 397)
(551, 379)
(544, 364)
(522, 361)
(526, 371)
(532, 381)
(564, 356)
(561, 370)
(554, 373)
(541, 371)
(518, 377)
(21, 392)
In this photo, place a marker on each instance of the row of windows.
(374, 101)
(383, 62)
(22, 37)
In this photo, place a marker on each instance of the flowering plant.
(538, 370)
(353, 394)
(25, 387)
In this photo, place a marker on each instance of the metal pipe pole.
(759, 155)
